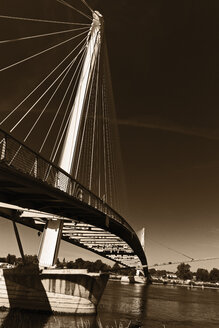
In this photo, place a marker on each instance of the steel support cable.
(115, 155)
(174, 250)
(41, 52)
(115, 165)
(83, 131)
(36, 102)
(42, 20)
(108, 185)
(60, 105)
(87, 144)
(84, 101)
(68, 67)
(98, 139)
(179, 262)
(56, 146)
(42, 35)
(110, 165)
(54, 153)
(82, 171)
(113, 158)
(50, 99)
(108, 154)
(99, 146)
(95, 41)
(104, 143)
(41, 83)
(94, 122)
(111, 128)
(85, 3)
(70, 6)
(111, 134)
(19, 148)
(85, 122)
(85, 159)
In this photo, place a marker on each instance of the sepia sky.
(164, 65)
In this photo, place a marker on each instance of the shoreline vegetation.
(182, 277)
(188, 284)
(185, 278)
(11, 261)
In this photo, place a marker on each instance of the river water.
(132, 305)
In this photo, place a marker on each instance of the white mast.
(70, 141)
(52, 233)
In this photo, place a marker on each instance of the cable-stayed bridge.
(59, 148)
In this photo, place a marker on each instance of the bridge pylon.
(50, 243)
(49, 247)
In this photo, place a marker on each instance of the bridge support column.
(50, 243)
(18, 241)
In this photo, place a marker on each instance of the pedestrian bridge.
(58, 138)
(30, 182)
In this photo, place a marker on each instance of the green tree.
(70, 265)
(183, 271)
(59, 264)
(79, 263)
(202, 275)
(98, 265)
(214, 275)
(11, 259)
(116, 267)
(161, 273)
(153, 271)
(31, 259)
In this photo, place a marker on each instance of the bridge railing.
(17, 155)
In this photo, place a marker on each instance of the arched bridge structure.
(59, 154)
(29, 182)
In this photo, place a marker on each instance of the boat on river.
(136, 279)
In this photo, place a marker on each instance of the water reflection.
(121, 306)
(22, 319)
(125, 301)
(132, 306)
(28, 319)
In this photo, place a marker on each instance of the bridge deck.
(29, 181)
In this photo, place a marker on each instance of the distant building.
(4, 265)
(171, 276)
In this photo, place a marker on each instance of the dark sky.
(164, 63)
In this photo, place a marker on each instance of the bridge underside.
(84, 225)
(79, 132)
(87, 236)
(29, 181)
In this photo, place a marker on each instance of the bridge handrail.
(53, 175)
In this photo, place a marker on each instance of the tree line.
(184, 272)
(79, 263)
(183, 269)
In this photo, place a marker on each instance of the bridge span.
(29, 183)
(59, 144)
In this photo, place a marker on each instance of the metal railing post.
(4, 146)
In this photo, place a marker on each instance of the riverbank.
(133, 305)
(186, 283)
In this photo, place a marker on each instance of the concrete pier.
(64, 291)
